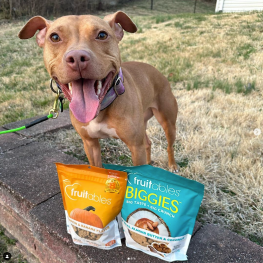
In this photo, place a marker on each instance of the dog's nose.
(77, 60)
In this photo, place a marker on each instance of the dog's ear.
(31, 27)
(119, 21)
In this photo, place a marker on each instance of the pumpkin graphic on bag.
(86, 217)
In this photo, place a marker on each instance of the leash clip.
(55, 110)
(58, 103)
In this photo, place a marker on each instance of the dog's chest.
(100, 130)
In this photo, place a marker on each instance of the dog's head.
(81, 53)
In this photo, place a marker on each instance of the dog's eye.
(55, 37)
(102, 35)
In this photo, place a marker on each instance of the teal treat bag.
(159, 211)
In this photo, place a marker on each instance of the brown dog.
(81, 54)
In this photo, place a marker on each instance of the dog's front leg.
(138, 152)
(93, 152)
(139, 155)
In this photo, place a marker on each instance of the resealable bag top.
(159, 211)
(92, 199)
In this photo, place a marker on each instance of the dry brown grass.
(214, 63)
(224, 154)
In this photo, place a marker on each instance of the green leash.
(53, 113)
(29, 124)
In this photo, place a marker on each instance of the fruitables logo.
(73, 193)
(156, 187)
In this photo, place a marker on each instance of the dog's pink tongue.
(84, 103)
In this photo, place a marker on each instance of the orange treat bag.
(92, 199)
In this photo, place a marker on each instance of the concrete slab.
(49, 226)
(49, 217)
(9, 141)
(51, 125)
(28, 175)
(214, 244)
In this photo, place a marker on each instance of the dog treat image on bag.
(92, 199)
(159, 211)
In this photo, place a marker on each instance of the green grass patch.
(249, 87)
(238, 86)
(182, 25)
(183, 163)
(9, 241)
(245, 88)
(17, 113)
(5, 244)
(197, 83)
(176, 68)
(227, 191)
(199, 18)
(163, 18)
(256, 239)
(6, 96)
(222, 85)
(245, 50)
(179, 24)
(210, 53)
(136, 41)
(42, 102)
(202, 212)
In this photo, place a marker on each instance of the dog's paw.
(174, 168)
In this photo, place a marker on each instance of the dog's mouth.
(86, 95)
